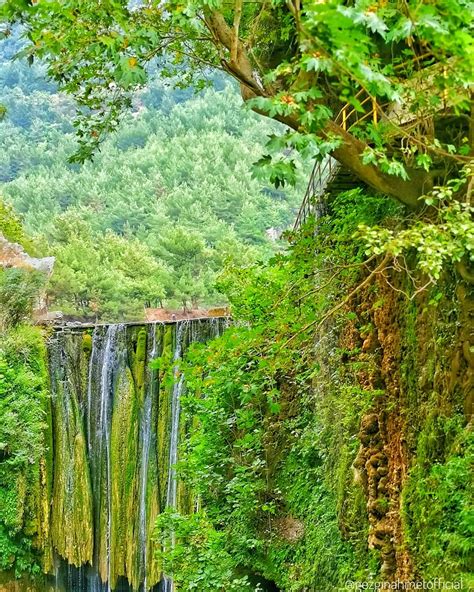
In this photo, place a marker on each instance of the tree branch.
(349, 154)
(235, 38)
(240, 67)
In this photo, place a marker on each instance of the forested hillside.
(165, 204)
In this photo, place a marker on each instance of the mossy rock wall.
(390, 444)
(105, 473)
(72, 522)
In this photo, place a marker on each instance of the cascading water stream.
(175, 412)
(105, 419)
(93, 363)
(171, 493)
(145, 431)
(116, 431)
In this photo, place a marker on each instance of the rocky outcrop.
(372, 468)
(14, 255)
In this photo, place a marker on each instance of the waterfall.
(116, 436)
(175, 409)
(145, 431)
(105, 418)
(178, 382)
(107, 361)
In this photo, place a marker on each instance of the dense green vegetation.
(276, 411)
(326, 437)
(24, 408)
(19, 287)
(168, 201)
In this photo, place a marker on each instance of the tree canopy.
(298, 63)
(166, 203)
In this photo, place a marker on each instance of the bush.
(19, 290)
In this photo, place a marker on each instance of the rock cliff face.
(390, 424)
(418, 427)
(14, 255)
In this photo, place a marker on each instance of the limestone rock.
(14, 255)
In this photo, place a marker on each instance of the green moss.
(87, 343)
(125, 492)
(436, 494)
(137, 350)
(140, 359)
(72, 533)
(52, 511)
(141, 345)
(24, 450)
(437, 508)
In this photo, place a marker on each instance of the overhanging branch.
(349, 154)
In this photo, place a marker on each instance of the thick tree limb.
(240, 67)
(349, 154)
(235, 37)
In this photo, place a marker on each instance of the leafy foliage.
(447, 239)
(267, 455)
(273, 406)
(23, 408)
(197, 538)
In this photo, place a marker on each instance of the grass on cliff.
(276, 410)
(24, 430)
